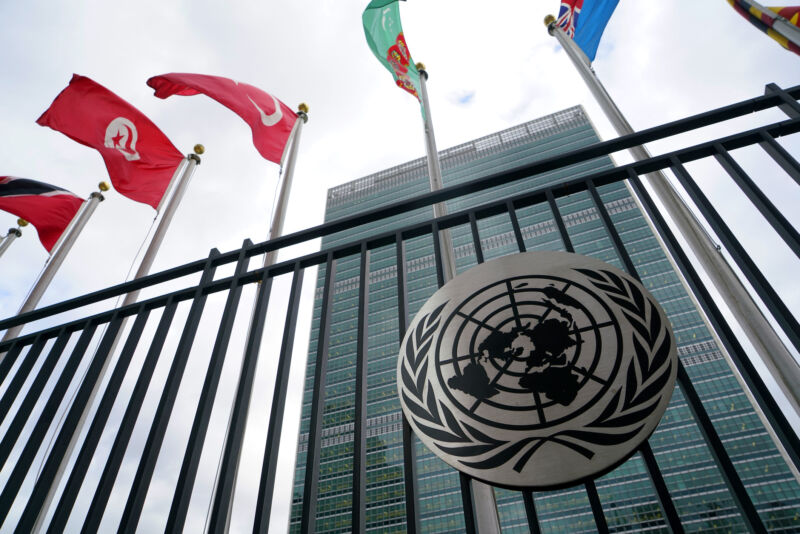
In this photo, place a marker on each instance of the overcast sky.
(492, 65)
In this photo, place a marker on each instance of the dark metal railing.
(16, 393)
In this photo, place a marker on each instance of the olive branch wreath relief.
(622, 419)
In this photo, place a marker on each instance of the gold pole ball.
(420, 66)
(22, 222)
(549, 19)
(103, 186)
(302, 107)
(199, 149)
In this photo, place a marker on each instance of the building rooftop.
(523, 133)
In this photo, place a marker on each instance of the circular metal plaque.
(537, 370)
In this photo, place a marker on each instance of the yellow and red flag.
(765, 20)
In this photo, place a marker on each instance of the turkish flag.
(48, 208)
(139, 157)
(270, 119)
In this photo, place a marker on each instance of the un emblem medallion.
(537, 370)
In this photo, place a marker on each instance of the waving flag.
(139, 157)
(48, 208)
(584, 21)
(767, 21)
(270, 119)
(790, 13)
(385, 38)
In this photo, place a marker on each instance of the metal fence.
(34, 377)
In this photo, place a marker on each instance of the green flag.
(384, 34)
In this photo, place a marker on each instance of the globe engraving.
(537, 370)
(533, 339)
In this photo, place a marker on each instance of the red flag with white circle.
(270, 119)
(140, 159)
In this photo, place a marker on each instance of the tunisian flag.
(270, 119)
(48, 208)
(139, 157)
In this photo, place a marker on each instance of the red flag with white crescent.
(140, 159)
(48, 208)
(270, 119)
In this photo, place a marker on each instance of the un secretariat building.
(702, 498)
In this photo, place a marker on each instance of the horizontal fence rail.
(53, 370)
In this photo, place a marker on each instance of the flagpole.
(220, 518)
(278, 218)
(13, 233)
(178, 184)
(183, 179)
(60, 252)
(781, 26)
(769, 346)
(483, 498)
(435, 175)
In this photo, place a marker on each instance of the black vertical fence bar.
(788, 104)
(410, 478)
(512, 214)
(597, 507)
(49, 411)
(662, 492)
(7, 360)
(223, 494)
(205, 404)
(786, 433)
(266, 487)
(469, 507)
(774, 303)
(72, 424)
(194, 446)
(84, 459)
(152, 447)
(619, 247)
(476, 238)
(24, 370)
(717, 449)
(466, 486)
(308, 522)
(65, 434)
(530, 512)
(125, 430)
(437, 254)
(781, 156)
(562, 229)
(359, 515)
(764, 205)
(409, 452)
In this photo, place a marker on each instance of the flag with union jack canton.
(584, 22)
(568, 16)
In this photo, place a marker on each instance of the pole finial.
(302, 107)
(420, 65)
(549, 19)
(103, 186)
(22, 222)
(199, 149)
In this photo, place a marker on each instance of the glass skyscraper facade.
(629, 501)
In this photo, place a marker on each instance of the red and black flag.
(48, 208)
